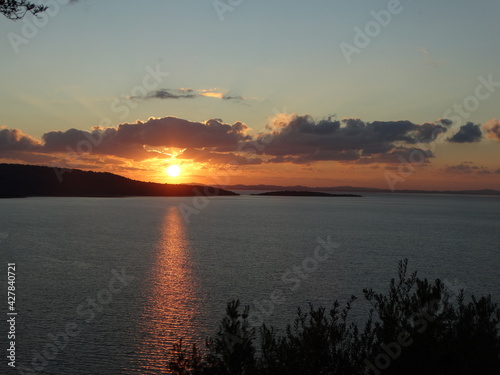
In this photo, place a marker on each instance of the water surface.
(179, 265)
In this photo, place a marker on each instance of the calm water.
(105, 286)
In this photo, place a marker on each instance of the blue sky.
(275, 56)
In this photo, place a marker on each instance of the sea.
(106, 286)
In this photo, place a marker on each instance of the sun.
(173, 170)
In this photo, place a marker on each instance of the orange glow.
(171, 302)
(217, 95)
(173, 170)
(431, 176)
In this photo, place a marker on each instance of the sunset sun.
(173, 170)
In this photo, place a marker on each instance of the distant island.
(304, 193)
(354, 189)
(18, 181)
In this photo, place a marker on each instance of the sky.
(386, 94)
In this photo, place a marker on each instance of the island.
(295, 193)
(355, 189)
(18, 181)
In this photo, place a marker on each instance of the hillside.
(28, 180)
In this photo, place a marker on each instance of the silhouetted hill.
(292, 193)
(28, 180)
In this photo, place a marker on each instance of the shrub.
(414, 329)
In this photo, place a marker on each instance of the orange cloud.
(492, 129)
(217, 95)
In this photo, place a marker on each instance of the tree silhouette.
(414, 329)
(17, 9)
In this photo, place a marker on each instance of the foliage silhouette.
(414, 329)
(17, 9)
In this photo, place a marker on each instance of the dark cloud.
(236, 98)
(445, 122)
(16, 146)
(107, 141)
(428, 132)
(16, 140)
(468, 133)
(492, 129)
(172, 94)
(300, 139)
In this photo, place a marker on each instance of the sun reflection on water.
(171, 302)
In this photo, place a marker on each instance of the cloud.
(468, 133)
(16, 146)
(16, 140)
(428, 132)
(29, 157)
(320, 155)
(484, 171)
(459, 169)
(467, 167)
(445, 122)
(236, 98)
(399, 155)
(206, 156)
(217, 95)
(189, 93)
(128, 140)
(295, 139)
(301, 139)
(172, 94)
(492, 129)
